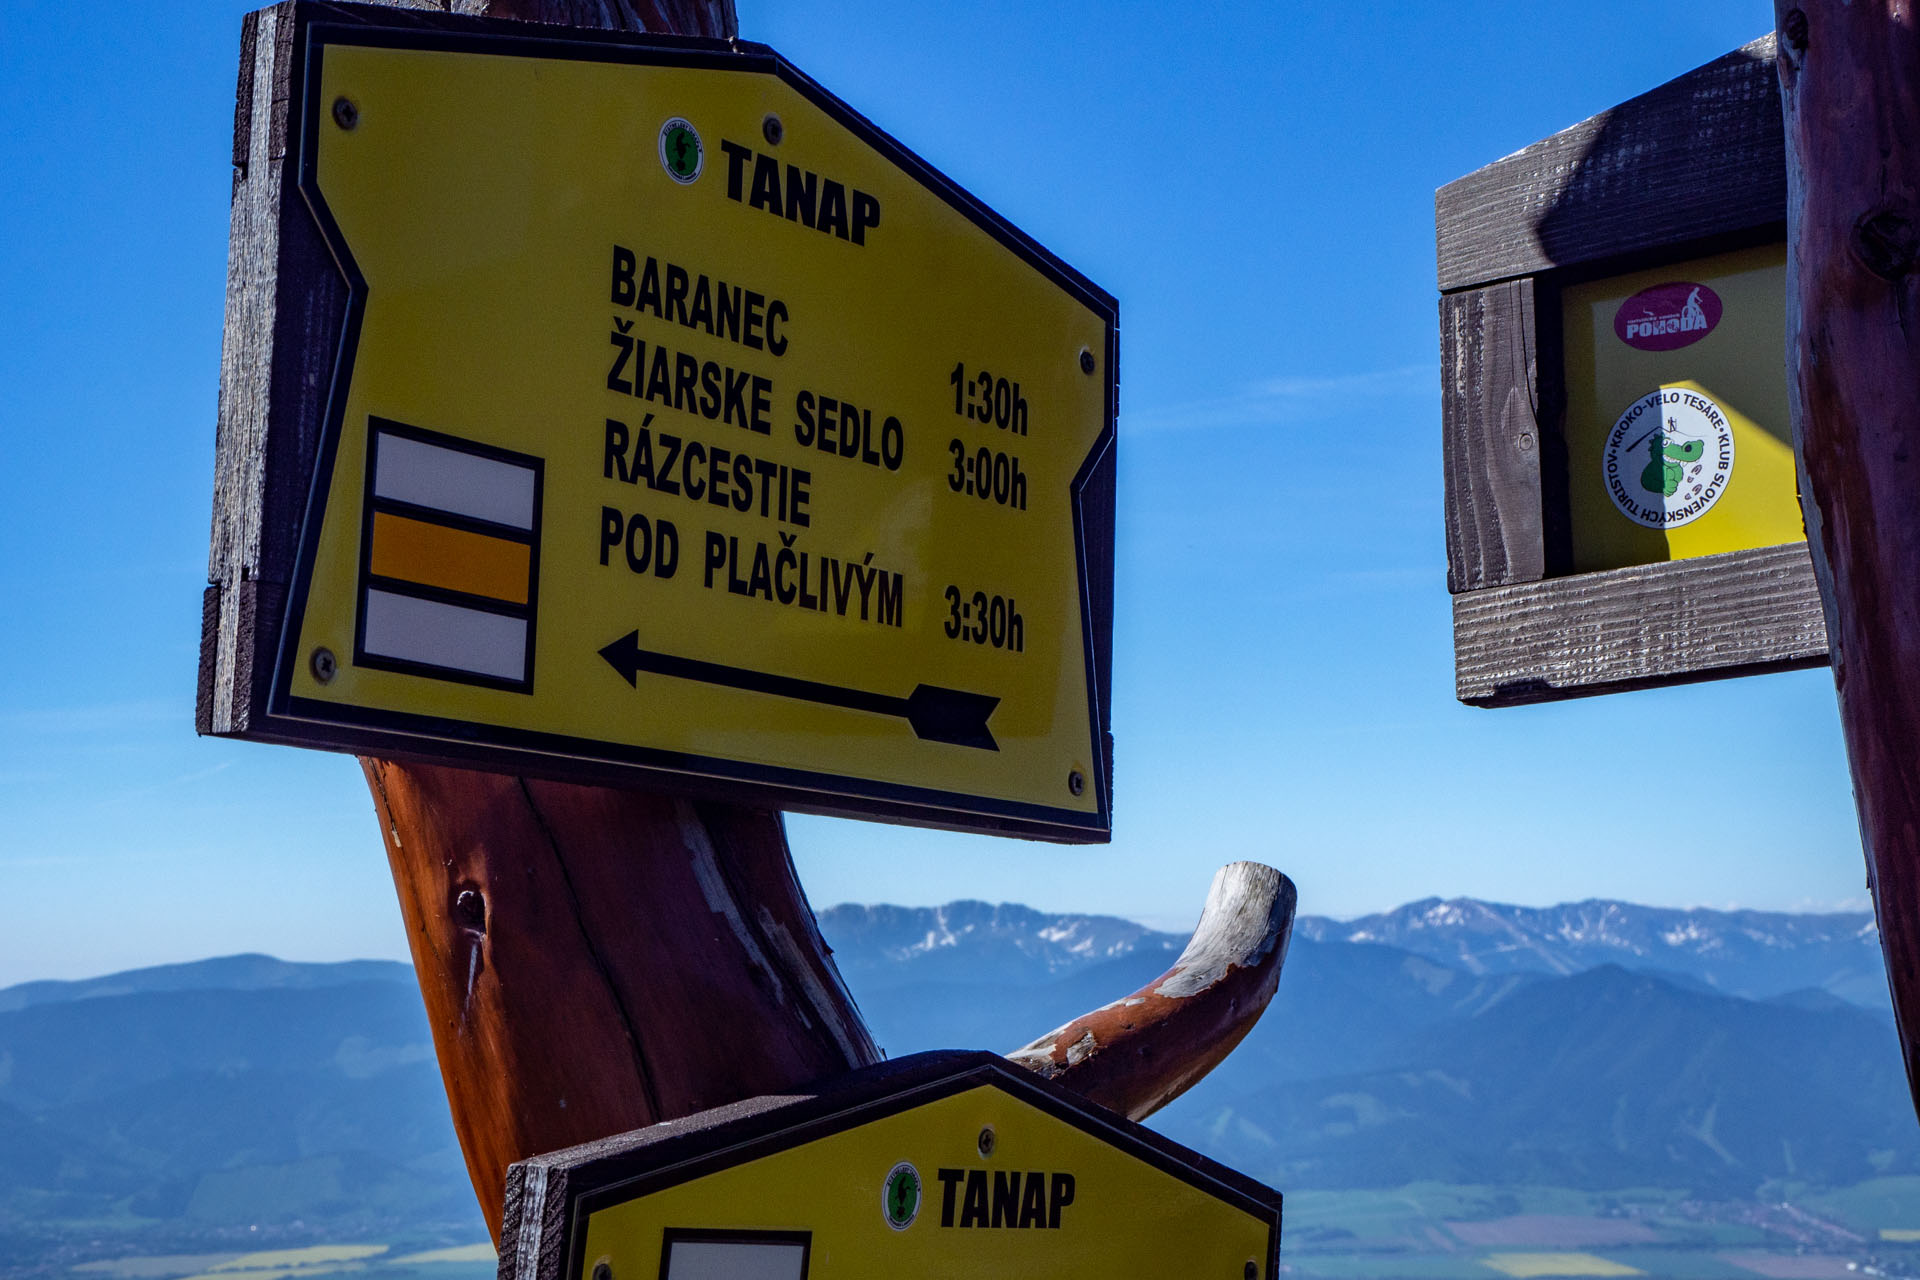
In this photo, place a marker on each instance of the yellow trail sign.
(939, 1165)
(686, 428)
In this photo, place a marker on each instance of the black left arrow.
(935, 714)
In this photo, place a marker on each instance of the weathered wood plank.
(1494, 425)
(683, 17)
(1740, 613)
(285, 304)
(1698, 158)
(1851, 76)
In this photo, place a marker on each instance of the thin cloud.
(1289, 399)
(185, 779)
(101, 718)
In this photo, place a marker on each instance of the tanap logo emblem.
(681, 154)
(900, 1196)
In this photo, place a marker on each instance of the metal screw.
(1076, 782)
(471, 909)
(601, 1271)
(986, 1140)
(772, 130)
(323, 665)
(1086, 359)
(345, 114)
(1253, 1270)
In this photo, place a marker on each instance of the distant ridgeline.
(1597, 1045)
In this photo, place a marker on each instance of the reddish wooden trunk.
(1850, 75)
(596, 960)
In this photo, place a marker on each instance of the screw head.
(345, 114)
(1086, 360)
(601, 1271)
(986, 1140)
(772, 130)
(323, 665)
(1253, 1270)
(1076, 782)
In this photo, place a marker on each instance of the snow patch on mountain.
(1752, 953)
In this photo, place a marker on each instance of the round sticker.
(1667, 317)
(900, 1196)
(681, 154)
(1668, 458)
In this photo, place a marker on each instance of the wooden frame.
(1694, 167)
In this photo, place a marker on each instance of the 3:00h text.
(988, 474)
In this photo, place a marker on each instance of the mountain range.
(1757, 954)
(1593, 1045)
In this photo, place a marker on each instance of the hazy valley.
(1673, 1074)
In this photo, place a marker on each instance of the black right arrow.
(935, 714)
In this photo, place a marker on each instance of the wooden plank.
(1741, 613)
(1696, 159)
(1853, 351)
(285, 304)
(1495, 428)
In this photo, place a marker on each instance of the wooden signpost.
(459, 526)
(1615, 304)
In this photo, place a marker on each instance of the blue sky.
(1257, 191)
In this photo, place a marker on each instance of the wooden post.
(596, 960)
(1850, 80)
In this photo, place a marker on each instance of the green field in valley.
(1423, 1231)
(1443, 1231)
